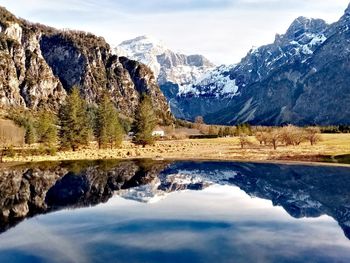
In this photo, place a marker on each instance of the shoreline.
(179, 159)
(223, 149)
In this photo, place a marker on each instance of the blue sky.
(222, 30)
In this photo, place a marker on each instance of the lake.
(183, 211)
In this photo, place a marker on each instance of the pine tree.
(145, 122)
(46, 128)
(108, 128)
(74, 121)
(29, 137)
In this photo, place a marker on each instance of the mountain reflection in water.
(302, 191)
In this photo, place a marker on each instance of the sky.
(222, 30)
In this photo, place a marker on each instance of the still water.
(147, 211)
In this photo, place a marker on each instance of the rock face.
(39, 65)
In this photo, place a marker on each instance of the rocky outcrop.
(39, 65)
(25, 78)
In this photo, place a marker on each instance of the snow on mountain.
(216, 83)
(143, 49)
(194, 87)
(167, 65)
(302, 38)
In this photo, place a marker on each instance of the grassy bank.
(331, 146)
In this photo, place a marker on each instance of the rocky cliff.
(39, 65)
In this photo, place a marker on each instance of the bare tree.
(274, 136)
(312, 134)
(292, 135)
(261, 134)
(2, 144)
(199, 122)
(243, 140)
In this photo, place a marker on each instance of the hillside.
(39, 65)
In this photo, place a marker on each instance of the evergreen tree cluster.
(77, 124)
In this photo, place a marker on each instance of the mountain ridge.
(309, 91)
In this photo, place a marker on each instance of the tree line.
(289, 135)
(273, 136)
(77, 123)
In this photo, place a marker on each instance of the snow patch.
(216, 83)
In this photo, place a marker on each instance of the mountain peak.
(305, 25)
(143, 40)
(167, 65)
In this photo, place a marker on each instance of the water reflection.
(219, 221)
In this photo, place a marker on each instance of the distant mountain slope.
(215, 95)
(39, 64)
(312, 87)
(266, 87)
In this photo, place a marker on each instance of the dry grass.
(216, 149)
(10, 133)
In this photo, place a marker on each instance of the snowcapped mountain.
(220, 88)
(168, 66)
(298, 44)
(302, 78)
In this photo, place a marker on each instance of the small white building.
(158, 132)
